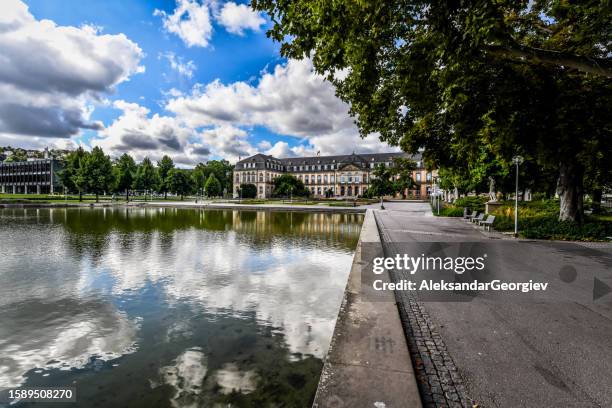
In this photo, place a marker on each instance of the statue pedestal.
(491, 206)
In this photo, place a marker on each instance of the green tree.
(97, 172)
(125, 172)
(401, 173)
(180, 182)
(222, 170)
(19, 155)
(213, 187)
(514, 77)
(164, 167)
(199, 176)
(381, 183)
(68, 176)
(287, 184)
(248, 190)
(146, 176)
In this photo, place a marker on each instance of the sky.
(194, 79)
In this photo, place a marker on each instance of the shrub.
(473, 203)
(447, 210)
(248, 190)
(549, 227)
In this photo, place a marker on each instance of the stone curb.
(368, 363)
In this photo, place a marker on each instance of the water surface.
(171, 307)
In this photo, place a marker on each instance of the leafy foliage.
(96, 173)
(164, 168)
(248, 190)
(179, 182)
(222, 170)
(213, 188)
(473, 83)
(125, 172)
(147, 178)
(287, 184)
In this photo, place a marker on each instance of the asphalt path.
(550, 349)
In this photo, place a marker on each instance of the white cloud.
(185, 69)
(140, 134)
(291, 100)
(228, 142)
(236, 18)
(51, 76)
(191, 21)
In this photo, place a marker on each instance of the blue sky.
(194, 79)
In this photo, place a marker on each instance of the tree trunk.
(97, 198)
(80, 196)
(597, 196)
(165, 195)
(570, 191)
(127, 195)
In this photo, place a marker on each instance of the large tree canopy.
(288, 185)
(470, 82)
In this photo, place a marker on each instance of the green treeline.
(96, 173)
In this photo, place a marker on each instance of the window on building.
(428, 176)
(318, 179)
(418, 177)
(325, 179)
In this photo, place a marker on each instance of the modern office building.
(337, 176)
(34, 176)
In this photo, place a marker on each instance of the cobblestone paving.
(437, 376)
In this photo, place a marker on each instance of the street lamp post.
(517, 161)
(436, 192)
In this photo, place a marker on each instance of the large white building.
(339, 176)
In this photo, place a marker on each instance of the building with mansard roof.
(342, 176)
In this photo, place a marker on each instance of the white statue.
(492, 194)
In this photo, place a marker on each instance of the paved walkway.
(551, 351)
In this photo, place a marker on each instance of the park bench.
(488, 223)
(468, 216)
(479, 218)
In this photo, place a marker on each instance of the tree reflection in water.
(171, 307)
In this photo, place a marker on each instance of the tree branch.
(597, 66)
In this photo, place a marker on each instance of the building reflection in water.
(187, 306)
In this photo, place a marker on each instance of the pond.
(167, 307)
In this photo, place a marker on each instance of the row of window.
(312, 179)
(254, 178)
(308, 167)
(253, 165)
(22, 168)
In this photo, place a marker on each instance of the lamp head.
(518, 160)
